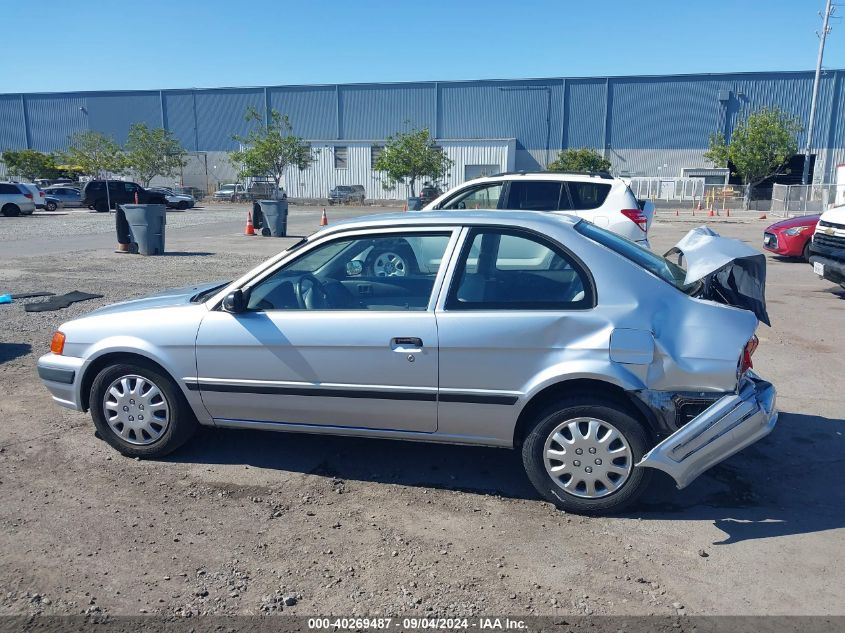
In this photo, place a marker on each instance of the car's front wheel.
(581, 455)
(51, 206)
(140, 411)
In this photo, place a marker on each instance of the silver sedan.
(594, 357)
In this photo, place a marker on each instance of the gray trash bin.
(146, 225)
(275, 217)
(415, 204)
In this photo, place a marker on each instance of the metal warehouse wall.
(645, 125)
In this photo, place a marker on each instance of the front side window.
(379, 272)
(482, 197)
(515, 270)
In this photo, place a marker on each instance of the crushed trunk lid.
(731, 272)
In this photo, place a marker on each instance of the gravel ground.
(242, 522)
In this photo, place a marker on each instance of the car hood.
(164, 299)
(835, 215)
(731, 272)
(801, 220)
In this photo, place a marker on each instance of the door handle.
(402, 343)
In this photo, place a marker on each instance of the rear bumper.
(729, 425)
(62, 375)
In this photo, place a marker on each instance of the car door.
(342, 336)
(517, 304)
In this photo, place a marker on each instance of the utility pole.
(828, 11)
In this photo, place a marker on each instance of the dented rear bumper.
(726, 427)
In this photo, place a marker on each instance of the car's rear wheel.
(11, 210)
(140, 411)
(182, 205)
(581, 455)
(101, 206)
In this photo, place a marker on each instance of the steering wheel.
(311, 293)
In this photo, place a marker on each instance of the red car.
(791, 237)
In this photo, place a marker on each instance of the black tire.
(51, 206)
(11, 210)
(606, 411)
(400, 248)
(805, 255)
(182, 205)
(181, 424)
(101, 206)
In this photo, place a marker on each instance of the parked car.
(37, 194)
(70, 196)
(15, 200)
(597, 197)
(195, 192)
(429, 192)
(791, 237)
(347, 194)
(524, 330)
(119, 192)
(827, 250)
(175, 200)
(52, 203)
(231, 192)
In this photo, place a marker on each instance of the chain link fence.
(789, 200)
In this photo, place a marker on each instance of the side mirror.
(235, 302)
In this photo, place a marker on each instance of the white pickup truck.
(827, 250)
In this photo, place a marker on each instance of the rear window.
(669, 272)
(588, 195)
(537, 195)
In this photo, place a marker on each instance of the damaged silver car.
(596, 358)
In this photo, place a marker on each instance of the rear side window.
(502, 269)
(669, 272)
(588, 195)
(537, 195)
(6, 188)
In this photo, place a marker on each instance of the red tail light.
(637, 217)
(745, 362)
(28, 195)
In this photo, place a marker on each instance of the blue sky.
(116, 44)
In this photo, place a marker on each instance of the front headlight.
(796, 230)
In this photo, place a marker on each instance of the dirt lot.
(238, 522)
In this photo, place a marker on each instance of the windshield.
(669, 272)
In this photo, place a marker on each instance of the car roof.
(537, 220)
(569, 176)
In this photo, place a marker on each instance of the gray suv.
(347, 194)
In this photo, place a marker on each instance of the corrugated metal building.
(647, 126)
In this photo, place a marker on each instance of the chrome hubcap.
(136, 409)
(587, 458)
(389, 264)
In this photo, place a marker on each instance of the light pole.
(828, 11)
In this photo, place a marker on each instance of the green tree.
(152, 152)
(580, 159)
(760, 147)
(30, 164)
(271, 148)
(93, 154)
(409, 156)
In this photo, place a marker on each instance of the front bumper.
(729, 425)
(834, 270)
(62, 376)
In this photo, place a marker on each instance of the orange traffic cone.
(711, 214)
(250, 229)
(405, 208)
(762, 216)
(677, 212)
(136, 197)
(324, 220)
